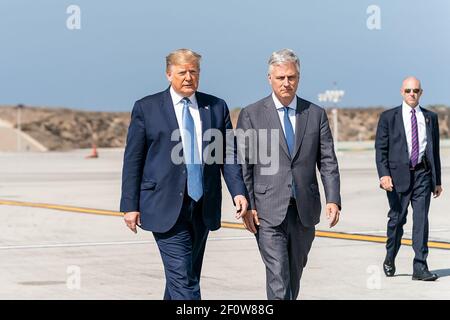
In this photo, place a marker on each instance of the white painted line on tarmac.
(384, 231)
(113, 243)
(67, 245)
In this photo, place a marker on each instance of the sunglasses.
(413, 90)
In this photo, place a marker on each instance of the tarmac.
(56, 253)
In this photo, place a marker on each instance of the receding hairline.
(411, 78)
(182, 56)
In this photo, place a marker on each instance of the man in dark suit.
(172, 187)
(409, 167)
(284, 193)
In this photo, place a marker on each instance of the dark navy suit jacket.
(392, 155)
(152, 184)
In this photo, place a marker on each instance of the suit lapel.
(399, 124)
(301, 120)
(429, 130)
(169, 110)
(274, 122)
(205, 118)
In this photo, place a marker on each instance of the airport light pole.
(19, 127)
(333, 96)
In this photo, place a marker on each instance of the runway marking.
(111, 243)
(352, 236)
(60, 208)
(379, 239)
(405, 232)
(226, 224)
(68, 245)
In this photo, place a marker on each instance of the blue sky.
(118, 54)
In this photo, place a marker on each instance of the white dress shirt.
(280, 109)
(193, 108)
(421, 127)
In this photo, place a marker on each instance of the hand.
(250, 219)
(333, 213)
(386, 183)
(132, 219)
(437, 191)
(241, 206)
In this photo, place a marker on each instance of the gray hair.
(284, 56)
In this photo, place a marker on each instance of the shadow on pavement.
(442, 272)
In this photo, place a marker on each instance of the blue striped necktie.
(414, 139)
(191, 154)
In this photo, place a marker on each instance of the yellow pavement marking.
(380, 239)
(232, 225)
(60, 207)
(351, 236)
(225, 224)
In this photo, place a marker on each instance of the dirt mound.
(64, 129)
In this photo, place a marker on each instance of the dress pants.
(419, 195)
(182, 249)
(284, 250)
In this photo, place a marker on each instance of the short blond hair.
(181, 56)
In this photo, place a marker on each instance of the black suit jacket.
(392, 155)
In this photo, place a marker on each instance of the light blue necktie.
(290, 139)
(191, 154)
(288, 131)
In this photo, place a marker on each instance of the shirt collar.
(176, 98)
(279, 105)
(407, 109)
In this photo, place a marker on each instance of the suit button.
(290, 186)
(184, 171)
(181, 194)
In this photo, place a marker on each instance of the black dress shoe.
(425, 275)
(389, 268)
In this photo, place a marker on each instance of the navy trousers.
(182, 249)
(419, 195)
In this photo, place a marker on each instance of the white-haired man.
(285, 206)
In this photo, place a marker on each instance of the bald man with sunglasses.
(409, 167)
